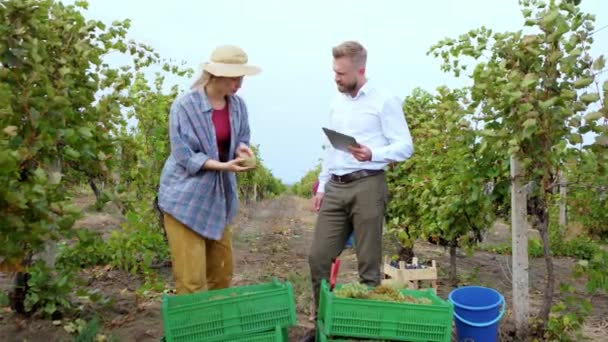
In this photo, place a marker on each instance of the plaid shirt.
(206, 201)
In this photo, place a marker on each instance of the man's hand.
(316, 201)
(244, 151)
(361, 152)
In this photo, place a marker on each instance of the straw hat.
(229, 61)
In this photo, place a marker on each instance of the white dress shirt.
(375, 119)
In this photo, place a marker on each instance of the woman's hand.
(244, 151)
(236, 165)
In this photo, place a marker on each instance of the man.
(352, 192)
(350, 242)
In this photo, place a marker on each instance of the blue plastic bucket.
(477, 312)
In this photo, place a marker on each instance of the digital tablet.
(340, 141)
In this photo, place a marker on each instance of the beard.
(348, 88)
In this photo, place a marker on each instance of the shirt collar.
(364, 90)
(206, 105)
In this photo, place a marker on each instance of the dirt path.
(271, 238)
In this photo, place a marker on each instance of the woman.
(209, 134)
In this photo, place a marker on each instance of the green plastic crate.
(322, 338)
(277, 335)
(396, 321)
(226, 314)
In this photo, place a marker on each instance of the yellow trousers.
(198, 263)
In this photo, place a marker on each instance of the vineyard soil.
(271, 238)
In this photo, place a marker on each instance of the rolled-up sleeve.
(181, 151)
(324, 175)
(394, 127)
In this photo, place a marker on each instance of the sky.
(291, 41)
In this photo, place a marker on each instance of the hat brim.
(230, 70)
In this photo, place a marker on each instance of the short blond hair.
(351, 49)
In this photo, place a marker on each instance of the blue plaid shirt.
(206, 201)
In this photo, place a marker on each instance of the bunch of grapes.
(352, 290)
(386, 293)
(412, 299)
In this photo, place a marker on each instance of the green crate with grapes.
(384, 312)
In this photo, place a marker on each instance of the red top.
(221, 121)
(315, 187)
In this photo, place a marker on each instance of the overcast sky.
(291, 41)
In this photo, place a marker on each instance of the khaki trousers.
(198, 263)
(356, 206)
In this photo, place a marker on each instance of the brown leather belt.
(349, 177)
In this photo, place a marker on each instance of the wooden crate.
(410, 277)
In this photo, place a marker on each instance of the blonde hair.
(202, 81)
(351, 49)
